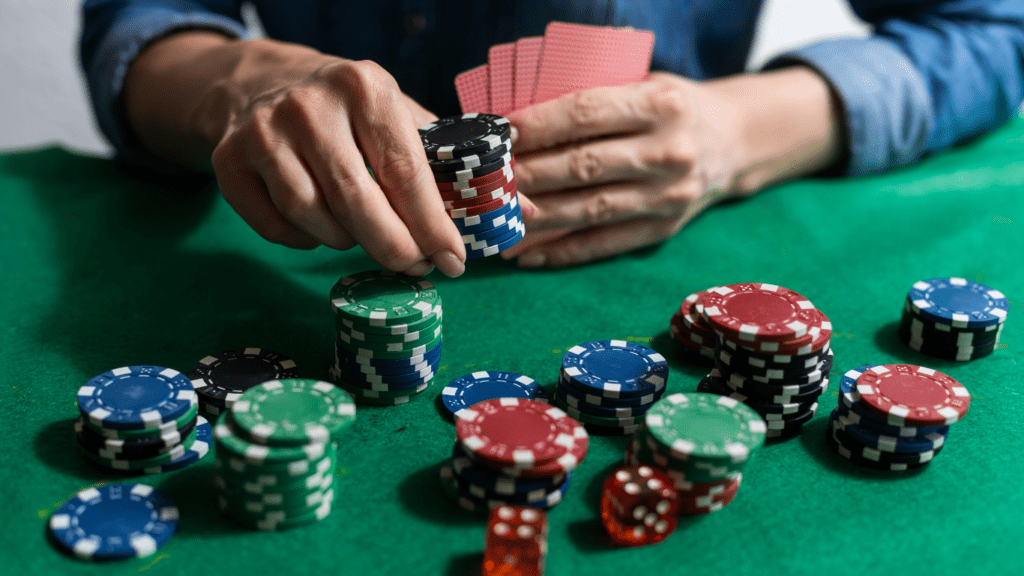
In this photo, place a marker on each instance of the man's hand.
(613, 169)
(286, 130)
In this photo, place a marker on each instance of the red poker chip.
(466, 193)
(691, 312)
(816, 339)
(686, 337)
(909, 395)
(483, 208)
(504, 173)
(482, 197)
(562, 465)
(694, 505)
(756, 312)
(514, 432)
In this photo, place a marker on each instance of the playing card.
(527, 57)
(471, 86)
(501, 62)
(578, 57)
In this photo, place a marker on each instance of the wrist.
(787, 125)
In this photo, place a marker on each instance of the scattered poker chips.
(894, 416)
(513, 451)
(219, 379)
(141, 420)
(471, 159)
(388, 330)
(953, 318)
(277, 453)
(702, 441)
(770, 347)
(115, 522)
(608, 385)
(470, 389)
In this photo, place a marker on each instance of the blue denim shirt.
(934, 72)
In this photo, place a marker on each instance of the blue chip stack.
(142, 420)
(469, 389)
(608, 385)
(471, 159)
(867, 439)
(953, 318)
(476, 488)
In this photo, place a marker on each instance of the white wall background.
(43, 99)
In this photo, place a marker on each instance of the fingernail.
(448, 263)
(513, 135)
(532, 260)
(421, 268)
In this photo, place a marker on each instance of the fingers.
(244, 190)
(534, 239)
(385, 129)
(597, 243)
(589, 163)
(589, 207)
(590, 114)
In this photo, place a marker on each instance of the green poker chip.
(383, 298)
(292, 412)
(705, 427)
(376, 341)
(228, 442)
(379, 398)
(348, 324)
(141, 463)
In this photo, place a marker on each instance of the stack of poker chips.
(953, 318)
(141, 419)
(388, 329)
(469, 389)
(219, 379)
(512, 451)
(608, 385)
(277, 453)
(702, 441)
(696, 340)
(772, 351)
(114, 522)
(895, 416)
(471, 159)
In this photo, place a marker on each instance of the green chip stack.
(388, 331)
(702, 441)
(277, 453)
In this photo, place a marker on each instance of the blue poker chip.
(580, 403)
(467, 390)
(615, 368)
(136, 397)
(199, 449)
(958, 302)
(894, 444)
(584, 394)
(497, 482)
(501, 247)
(115, 522)
(392, 383)
(543, 499)
(505, 230)
(480, 245)
(490, 220)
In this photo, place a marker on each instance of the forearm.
(184, 90)
(786, 122)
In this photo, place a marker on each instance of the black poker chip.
(471, 161)
(460, 136)
(220, 378)
(461, 175)
(93, 442)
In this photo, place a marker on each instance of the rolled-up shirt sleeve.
(114, 32)
(932, 75)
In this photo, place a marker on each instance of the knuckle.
(599, 210)
(585, 108)
(585, 166)
(670, 102)
(399, 256)
(679, 154)
(364, 78)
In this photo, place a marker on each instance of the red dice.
(639, 506)
(517, 541)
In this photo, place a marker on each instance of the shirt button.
(415, 22)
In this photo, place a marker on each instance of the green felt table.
(104, 268)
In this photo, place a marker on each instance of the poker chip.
(860, 455)
(293, 412)
(913, 395)
(511, 432)
(873, 439)
(178, 425)
(953, 319)
(94, 441)
(757, 312)
(472, 163)
(219, 379)
(465, 135)
(115, 522)
(465, 391)
(496, 482)
(566, 395)
(388, 336)
(136, 398)
(121, 461)
(705, 428)
(466, 499)
(698, 345)
(615, 368)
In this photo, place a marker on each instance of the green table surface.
(102, 268)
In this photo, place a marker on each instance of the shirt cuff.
(130, 34)
(887, 109)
